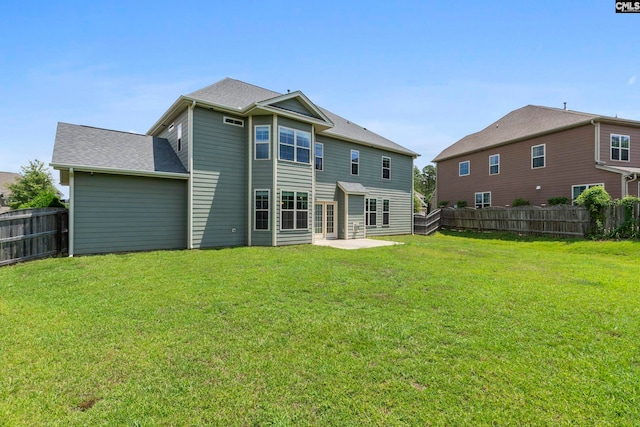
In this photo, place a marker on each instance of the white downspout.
(72, 205)
(250, 183)
(190, 189)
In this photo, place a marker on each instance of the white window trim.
(619, 148)
(468, 168)
(295, 211)
(388, 212)
(483, 193)
(388, 158)
(232, 121)
(322, 157)
(295, 147)
(255, 142)
(588, 186)
(498, 164)
(544, 156)
(351, 162)
(367, 212)
(255, 211)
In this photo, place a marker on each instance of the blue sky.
(421, 73)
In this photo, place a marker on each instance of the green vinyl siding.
(295, 177)
(172, 137)
(295, 106)
(119, 213)
(356, 216)
(219, 181)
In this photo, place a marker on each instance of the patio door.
(325, 220)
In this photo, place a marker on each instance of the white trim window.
(261, 215)
(483, 200)
(464, 168)
(295, 145)
(538, 156)
(620, 145)
(370, 212)
(319, 156)
(294, 210)
(355, 162)
(576, 190)
(494, 164)
(232, 121)
(386, 167)
(179, 134)
(385, 212)
(262, 142)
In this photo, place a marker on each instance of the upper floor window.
(483, 200)
(620, 147)
(370, 212)
(179, 136)
(494, 164)
(386, 167)
(538, 156)
(355, 162)
(463, 168)
(262, 210)
(319, 158)
(262, 141)
(295, 145)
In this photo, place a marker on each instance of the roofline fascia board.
(170, 112)
(617, 121)
(368, 144)
(511, 141)
(613, 169)
(114, 171)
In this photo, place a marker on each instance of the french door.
(325, 220)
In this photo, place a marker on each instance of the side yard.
(454, 329)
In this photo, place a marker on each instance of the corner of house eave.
(170, 111)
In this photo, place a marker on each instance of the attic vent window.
(233, 122)
(171, 126)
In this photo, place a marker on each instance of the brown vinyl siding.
(569, 160)
(606, 130)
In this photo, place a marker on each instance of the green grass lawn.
(454, 329)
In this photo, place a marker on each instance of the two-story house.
(536, 153)
(233, 164)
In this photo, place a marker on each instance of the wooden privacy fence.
(560, 221)
(33, 233)
(620, 222)
(426, 224)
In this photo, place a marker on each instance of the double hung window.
(463, 168)
(294, 210)
(319, 156)
(262, 210)
(370, 212)
(494, 164)
(355, 162)
(262, 142)
(295, 145)
(386, 167)
(620, 147)
(538, 156)
(483, 200)
(385, 212)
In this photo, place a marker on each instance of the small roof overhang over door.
(354, 188)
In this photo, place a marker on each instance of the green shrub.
(520, 202)
(45, 199)
(630, 227)
(443, 203)
(595, 199)
(461, 203)
(554, 201)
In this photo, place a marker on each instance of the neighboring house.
(231, 165)
(6, 179)
(536, 153)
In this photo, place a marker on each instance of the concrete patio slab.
(355, 243)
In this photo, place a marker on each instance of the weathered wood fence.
(559, 221)
(427, 224)
(33, 233)
(617, 220)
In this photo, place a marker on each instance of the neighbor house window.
(483, 200)
(294, 210)
(232, 121)
(494, 164)
(319, 156)
(295, 145)
(620, 147)
(370, 212)
(537, 156)
(386, 168)
(385, 212)
(576, 190)
(262, 142)
(463, 168)
(262, 210)
(179, 136)
(355, 162)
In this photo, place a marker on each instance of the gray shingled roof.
(352, 187)
(237, 95)
(91, 147)
(518, 124)
(6, 179)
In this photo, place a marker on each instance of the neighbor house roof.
(6, 179)
(523, 123)
(240, 97)
(95, 149)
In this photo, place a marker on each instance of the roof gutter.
(114, 171)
